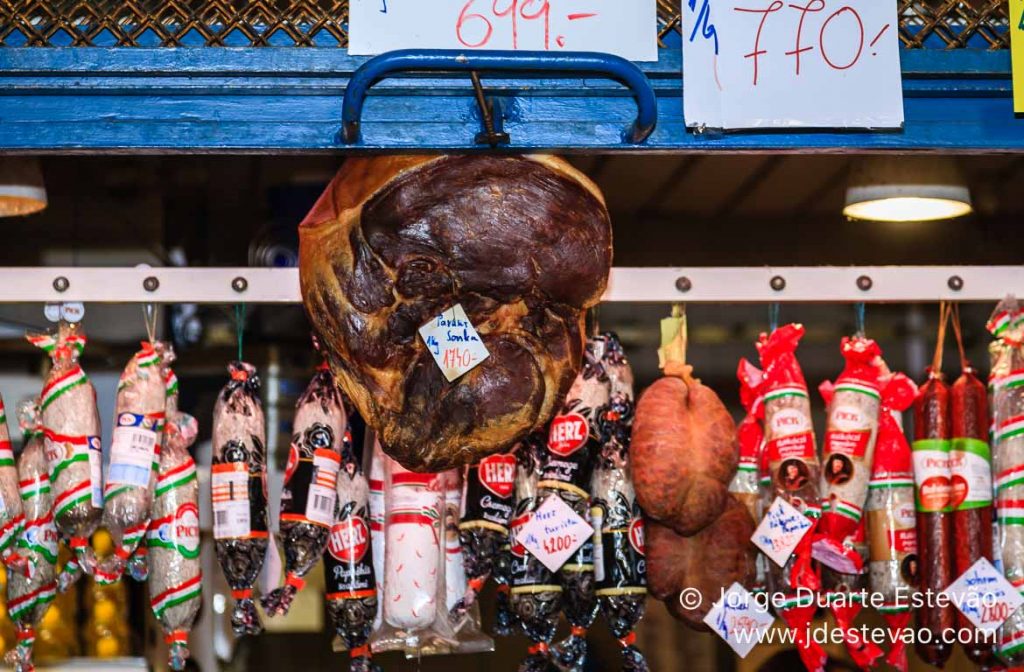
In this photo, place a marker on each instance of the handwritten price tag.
(739, 619)
(554, 533)
(984, 596)
(628, 29)
(781, 529)
(453, 342)
(754, 64)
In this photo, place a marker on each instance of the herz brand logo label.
(636, 535)
(568, 433)
(349, 540)
(497, 473)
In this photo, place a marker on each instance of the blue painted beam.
(289, 100)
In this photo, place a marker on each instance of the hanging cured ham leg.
(523, 244)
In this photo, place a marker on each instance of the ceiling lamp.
(21, 186)
(906, 189)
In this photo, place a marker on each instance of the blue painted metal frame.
(271, 100)
(520, 63)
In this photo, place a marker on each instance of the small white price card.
(554, 532)
(984, 596)
(739, 619)
(453, 342)
(781, 529)
(628, 29)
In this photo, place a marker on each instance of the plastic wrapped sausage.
(376, 506)
(29, 594)
(239, 483)
(574, 440)
(793, 466)
(932, 476)
(74, 453)
(892, 525)
(853, 403)
(12, 520)
(620, 565)
(1007, 385)
(841, 590)
(751, 481)
(309, 496)
(536, 597)
(139, 415)
(175, 577)
(348, 565)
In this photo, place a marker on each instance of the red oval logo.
(497, 473)
(567, 434)
(349, 539)
(636, 535)
(292, 464)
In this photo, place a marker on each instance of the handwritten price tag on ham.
(739, 620)
(984, 596)
(554, 533)
(781, 529)
(752, 64)
(453, 342)
(627, 29)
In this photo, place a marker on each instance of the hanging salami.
(376, 506)
(309, 496)
(620, 566)
(892, 525)
(751, 482)
(12, 519)
(351, 591)
(29, 594)
(850, 435)
(175, 579)
(71, 437)
(932, 480)
(139, 416)
(536, 597)
(793, 466)
(239, 491)
(1007, 384)
(574, 440)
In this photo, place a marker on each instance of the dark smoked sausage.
(972, 496)
(932, 434)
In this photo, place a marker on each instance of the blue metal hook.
(434, 60)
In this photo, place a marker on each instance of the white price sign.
(554, 532)
(757, 64)
(453, 342)
(627, 29)
(739, 619)
(984, 596)
(780, 531)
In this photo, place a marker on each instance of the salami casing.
(892, 524)
(175, 577)
(29, 594)
(239, 491)
(71, 437)
(849, 449)
(348, 564)
(309, 496)
(12, 519)
(139, 416)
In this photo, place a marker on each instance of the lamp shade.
(21, 186)
(907, 189)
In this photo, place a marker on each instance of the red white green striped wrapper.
(48, 342)
(54, 389)
(843, 508)
(171, 383)
(80, 451)
(1011, 381)
(1009, 478)
(19, 606)
(1010, 428)
(73, 496)
(1000, 323)
(786, 391)
(1010, 511)
(34, 487)
(9, 533)
(189, 590)
(890, 482)
(31, 538)
(858, 388)
(181, 475)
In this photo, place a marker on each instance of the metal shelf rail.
(808, 284)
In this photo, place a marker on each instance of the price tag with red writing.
(756, 64)
(984, 596)
(453, 342)
(781, 529)
(627, 29)
(739, 619)
(554, 533)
